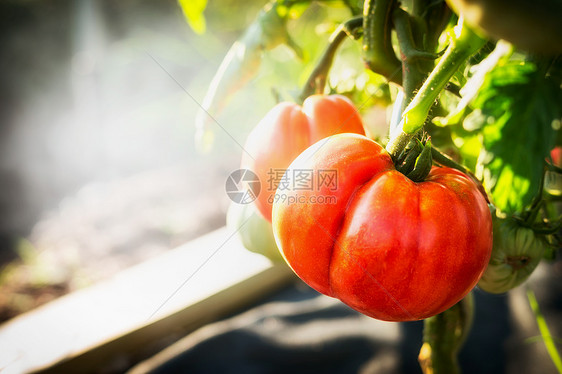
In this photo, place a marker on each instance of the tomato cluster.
(387, 246)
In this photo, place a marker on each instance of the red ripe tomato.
(286, 131)
(388, 247)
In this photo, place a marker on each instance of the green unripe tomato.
(516, 253)
(254, 231)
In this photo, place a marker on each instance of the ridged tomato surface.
(388, 247)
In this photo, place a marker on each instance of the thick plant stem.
(317, 79)
(377, 44)
(437, 16)
(419, 7)
(463, 44)
(412, 73)
(443, 336)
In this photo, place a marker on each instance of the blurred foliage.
(33, 280)
(278, 51)
(545, 332)
(193, 11)
(505, 123)
(517, 106)
(240, 65)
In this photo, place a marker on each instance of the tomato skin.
(388, 247)
(287, 130)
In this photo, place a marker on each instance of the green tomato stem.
(419, 6)
(445, 160)
(317, 79)
(464, 43)
(412, 72)
(377, 44)
(443, 336)
(437, 16)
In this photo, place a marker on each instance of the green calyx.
(416, 160)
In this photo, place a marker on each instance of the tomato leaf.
(193, 12)
(518, 107)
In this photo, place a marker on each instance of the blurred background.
(98, 168)
(99, 171)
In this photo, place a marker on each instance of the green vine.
(317, 79)
(464, 43)
(443, 336)
(378, 52)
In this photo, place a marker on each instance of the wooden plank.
(178, 291)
